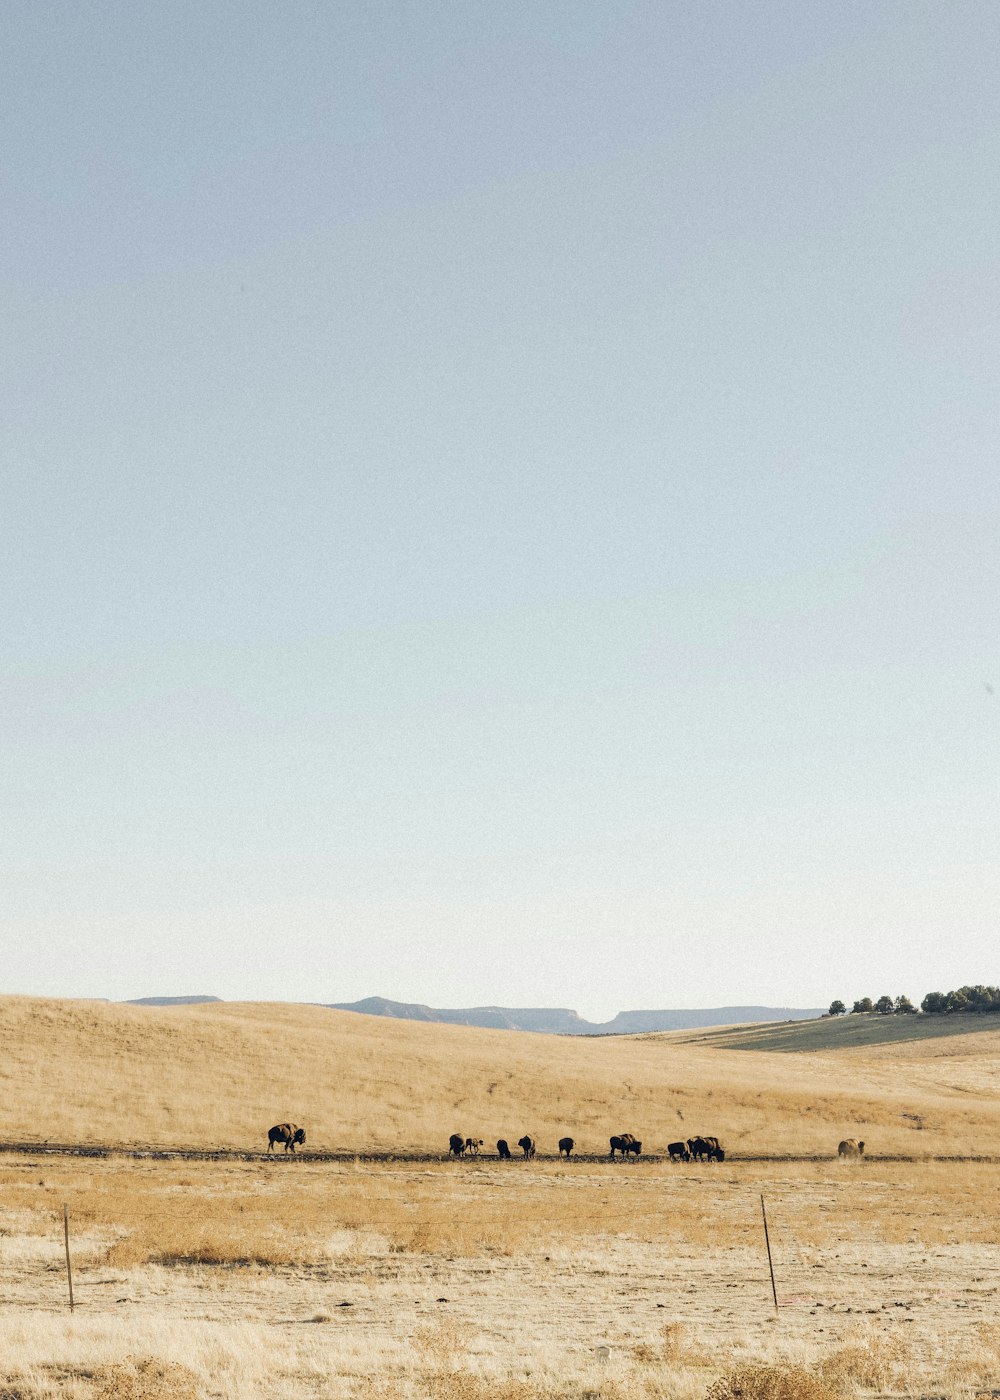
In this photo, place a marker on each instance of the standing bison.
(472, 1146)
(706, 1149)
(503, 1151)
(456, 1145)
(566, 1146)
(619, 1143)
(527, 1146)
(288, 1133)
(679, 1152)
(850, 1147)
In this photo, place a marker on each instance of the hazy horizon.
(501, 503)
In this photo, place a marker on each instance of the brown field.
(473, 1279)
(220, 1075)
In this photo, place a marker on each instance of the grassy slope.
(219, 1075)
(842, 1032)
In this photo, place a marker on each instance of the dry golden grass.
(131, 1378)
(229, 1279)
(249, 1215)
(220, 1075)
(464, 1280)
(756, 1382)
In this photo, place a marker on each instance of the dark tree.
(884, 1006)
(981, 999)
(837, 1008)
(904, 1007)
(860, 1007)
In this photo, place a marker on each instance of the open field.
(218, 1076)
(845, 1033)
(477, 1279)
(472, 1279)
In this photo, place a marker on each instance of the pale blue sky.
(500, 501)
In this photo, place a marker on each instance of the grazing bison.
(619, 1141)
(456, 1144)
(288, 1133)
(503, 1151)
(706, 1149)
(850, 1147)
(566, 1146)
(527, 1146)
(679, 1152)
(634, 1146)
(472, 1146)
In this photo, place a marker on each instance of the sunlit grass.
(218, 1076)
(475, 1278)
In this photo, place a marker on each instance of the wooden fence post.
(770, 1265)
(69, 1267)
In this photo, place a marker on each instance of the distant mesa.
(561, 1021)
(170, 1001)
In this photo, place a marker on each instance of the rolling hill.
(219, 1074)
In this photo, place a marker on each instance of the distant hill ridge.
(562, 1021)
(171, 1001)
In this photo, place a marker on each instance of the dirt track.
(228, 1154)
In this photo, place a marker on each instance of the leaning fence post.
(767, 1241)
(69, 1267)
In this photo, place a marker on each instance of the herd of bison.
(696, 1149)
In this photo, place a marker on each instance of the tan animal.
(850, 1147)
(472, 1146)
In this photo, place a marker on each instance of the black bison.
(456, 1144)
(288, 1133)
(472, 1146)
(850, 1147)
(706, 1149)
(566, 1146)
(635, 1147)
(527, 1146)
(679, 1152)
(503, 1151)
(619, 1142)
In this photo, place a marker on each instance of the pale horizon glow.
(501, 503)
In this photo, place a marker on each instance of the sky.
(500, 502)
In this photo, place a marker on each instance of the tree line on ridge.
(979, 1000)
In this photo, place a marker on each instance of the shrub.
(143, 1378)
(752, 1382)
